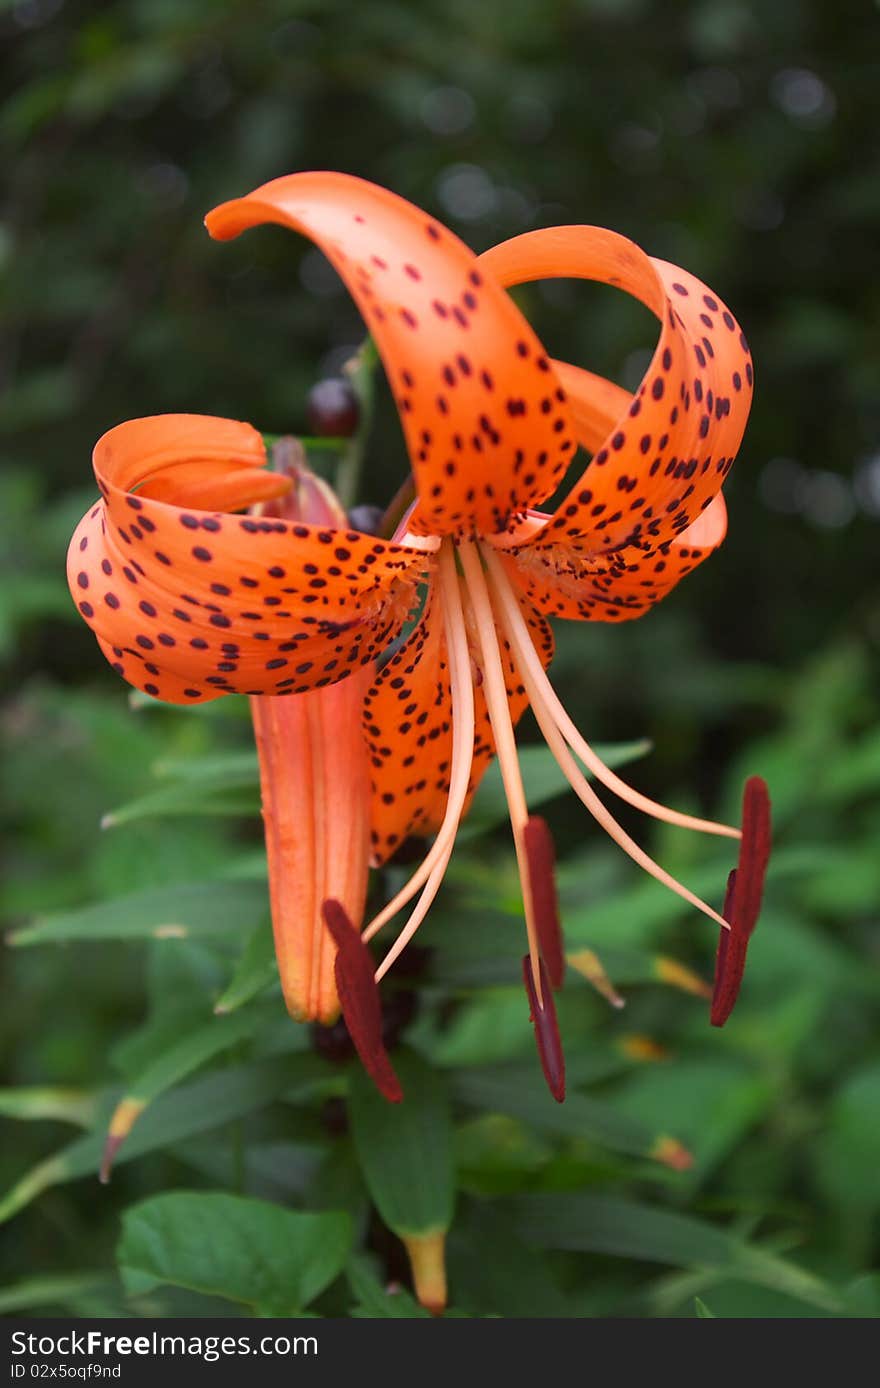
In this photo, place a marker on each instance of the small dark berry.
(333, 1042)
(333, 409)
(398, 1010)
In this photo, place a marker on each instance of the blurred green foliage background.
(733, 137)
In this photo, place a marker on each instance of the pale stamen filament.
(423, 906)
(431, 871)
(519, 634)
(498, 707)
(584, 791)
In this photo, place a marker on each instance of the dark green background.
(734, 137)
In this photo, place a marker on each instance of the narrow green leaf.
(198, 908)
(63, 1290)
(191, 1051)
(373, 1301)
(256, 969)
(766, 1269)
(520, 1092)
(226, 783)
(222, 770)
(199, 1107)
(702, 1310)
(405, 1149)
(43, 1101)
(605, 1224)
(184, 800)
(185, 1055)
(248, 1251)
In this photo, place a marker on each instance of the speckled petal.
(560, 581)
(190, 604)
(485, 418)
(666, 455)
(408, 722)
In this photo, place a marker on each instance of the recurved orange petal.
(667, 453)
(559, 580)
(485, 418)
(190, 604)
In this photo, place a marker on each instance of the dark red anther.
(546, 1030)
(730, 962)
(541, 858)
(742, 902)
(754, 855)
(359, 997)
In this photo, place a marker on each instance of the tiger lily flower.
(199, 602)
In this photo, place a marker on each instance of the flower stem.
(361, 371)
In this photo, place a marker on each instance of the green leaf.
(626, 1229)
(405, 1149)
(43, 1101)
(542, 779)
(507, 1278)
(199, 908)
(702, 1310)
(227, 783)
(853, 772)
(202, 1106)
(184, 800)
(711, 1103)
(848, 1151)
(222, 770)
(256, 969)
(186, 1054)
(519, 1092)
(374, 1302)
(63, 1290)
(248, 1251)
(190, 1051)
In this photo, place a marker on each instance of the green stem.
(361, 371)
(398, 506)
(330, 445)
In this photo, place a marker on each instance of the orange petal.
(665, 457)
(594, 401)
(315, 791)
(485, 418)
(614, 588)
(562, 582)
(191, 604)
(208, 487)
(408, 726)
(408, 723)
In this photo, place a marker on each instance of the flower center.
(479, 604)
